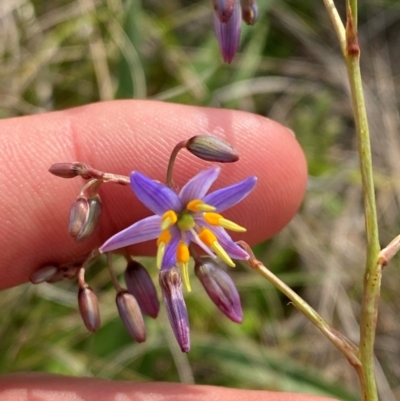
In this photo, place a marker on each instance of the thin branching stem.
(171, 163)
(373, 270)
(339, 340)
(337, 23)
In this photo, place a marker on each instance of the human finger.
(119, 137)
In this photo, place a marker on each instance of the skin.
(118, 137)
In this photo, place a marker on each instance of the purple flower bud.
(228, 33)
(131, 316)
(44, 273)
(92, 218)
(78, 215)
(69, 170)
(249, 11)
(220, 288)
(223, 9)
(141, 286)
(211, 148)
(89, 308)
(171, 286)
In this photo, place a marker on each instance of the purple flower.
(227, 23)
(190, 216)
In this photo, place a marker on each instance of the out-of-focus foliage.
(63, 53)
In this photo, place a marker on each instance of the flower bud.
(171, 286)
(69, 170)
(92, 218)
(44, 273)
(89, 308)
(223, 9)
(219, 287)
(141, 286)
(78, 215)
(249, 11)
(228, 33)
(131, 316)
(211, 148)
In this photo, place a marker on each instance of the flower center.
(185, 221)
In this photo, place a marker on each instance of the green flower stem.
(373, 270)
(349, 349)
(337, 23)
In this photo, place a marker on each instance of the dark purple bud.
(131, 316)
(223, 9)
(92, 218)
(69, 170)
(220, 287)
(211, 148)
(78, 215)
(89, 308)
(228, 33)
(44, 273)
(171, 286)
(141, 286)
(249, 11)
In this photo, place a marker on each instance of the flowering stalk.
(373, 270)
(349, 349)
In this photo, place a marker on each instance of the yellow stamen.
(208, 237)
(197, 205)
(162, 242)
(182, 257)
(216, 219)
(168, 219)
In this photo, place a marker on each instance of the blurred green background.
(63, 53)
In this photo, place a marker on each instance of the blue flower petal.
(227, 197)
(169, 258)
(156, 196)
(231, 248)
(198, 186)
(143, 230)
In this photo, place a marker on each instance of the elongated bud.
(223, 9)
(228, 33)
(219, 287)
(89, 308)
(69, 170)
(171, 286)
(249, 11)
(92, 218)
(44, 273)
(131, 316)
(78, 215)
(213, 149)
(141, 286)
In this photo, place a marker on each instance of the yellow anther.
(182, 257)
(162, 242)
(209, 238)
(216, 219)
(168, 219)
(182, 253)
(197, 205)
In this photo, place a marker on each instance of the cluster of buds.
(182, 217)
(227, 21)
